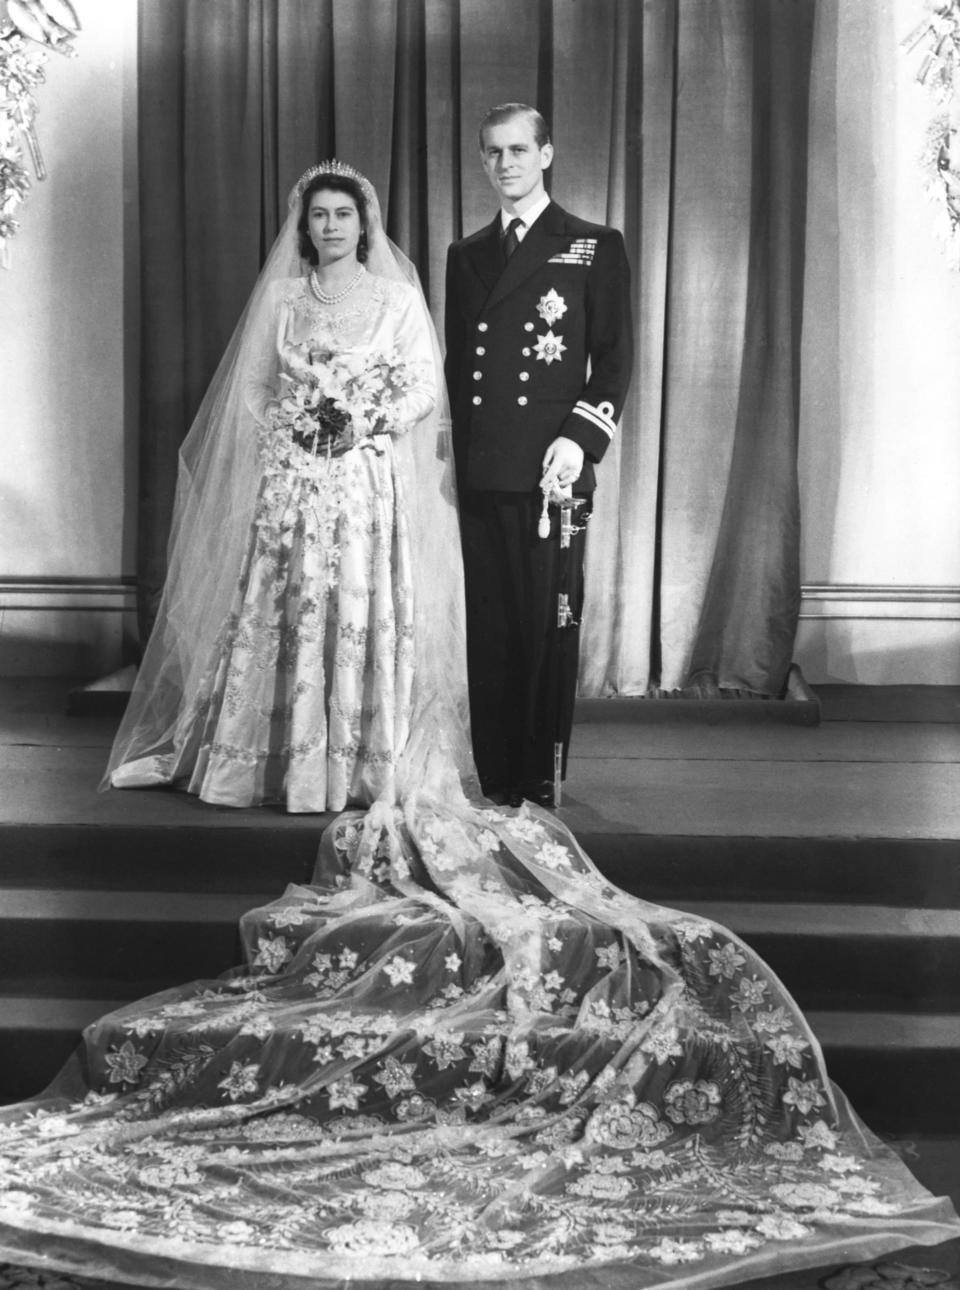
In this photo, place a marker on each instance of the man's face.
(514, 162)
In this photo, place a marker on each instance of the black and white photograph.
(479, 644)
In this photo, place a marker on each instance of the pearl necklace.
(335, 299)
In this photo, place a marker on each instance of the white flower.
(554, 944)
(773, 1021)
(806, 1195)
(390, 1205)
(725, 962)
(446, 1050)
(553, 856)
(804, 1095)
(260, 1026)
(623, 1125)
(396, 1177)
(357, 1046)
(692, 1102)
(778, 1227)
(663, 1043)
(473, 1096)
(525, 829)
(125, 1064)
(572, 1086)
(487, 1056)
(368, 1236)
(608, 956)
(400, 970)
(870, 1205)
(240, 1081)
(453, 962)
(416, 1107)
(840, 1164)
(291, 916)
(784, 1150)
(749, 993)
(347, 1093)
(396, 1077)
(272, 953)
(669, 1251)
(691, 930)
(788, 1050)
(732, 1242)
(817, 1134)
(601, 1186)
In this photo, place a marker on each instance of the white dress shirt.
(528, 216)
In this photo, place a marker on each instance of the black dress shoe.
(504, 796)
(540, 793)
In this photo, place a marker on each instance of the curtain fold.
(682, 123)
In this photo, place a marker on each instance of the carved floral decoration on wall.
(938, 38)
(28, 28)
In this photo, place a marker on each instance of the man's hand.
(562, 463)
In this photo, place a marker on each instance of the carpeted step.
(900, 1071)
(125, 944)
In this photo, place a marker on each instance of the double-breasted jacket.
(536, 347)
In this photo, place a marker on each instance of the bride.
(313, 595)
(460, 1055)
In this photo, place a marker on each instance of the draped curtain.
(682, 122)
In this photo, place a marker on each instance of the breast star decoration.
(550, 348)
(551, 307)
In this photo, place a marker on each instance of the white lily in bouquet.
(329, 401)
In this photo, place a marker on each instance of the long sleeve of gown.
(262, 381)
(415, 346)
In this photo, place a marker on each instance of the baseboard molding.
(880, 601)
(67, 594)
(64, 626)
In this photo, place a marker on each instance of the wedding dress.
(308, 690)
(458, 1056)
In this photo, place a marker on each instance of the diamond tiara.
(332, 167)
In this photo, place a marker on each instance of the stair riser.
(909, 872)
(125, 960)
(893, 1091)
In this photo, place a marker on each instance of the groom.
(538, 355)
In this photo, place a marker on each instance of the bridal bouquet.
(330, 400)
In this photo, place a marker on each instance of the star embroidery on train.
(551, 307)
(550, 348)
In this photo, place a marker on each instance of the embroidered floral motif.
(553, 1089)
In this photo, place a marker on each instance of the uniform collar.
(528, 216)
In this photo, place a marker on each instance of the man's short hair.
(507, 111)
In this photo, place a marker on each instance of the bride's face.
(333, 222)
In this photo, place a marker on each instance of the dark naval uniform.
(537, 346)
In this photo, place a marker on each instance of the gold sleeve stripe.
(598, 416)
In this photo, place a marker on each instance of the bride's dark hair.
(338, 184)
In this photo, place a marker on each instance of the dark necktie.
(510, 239)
